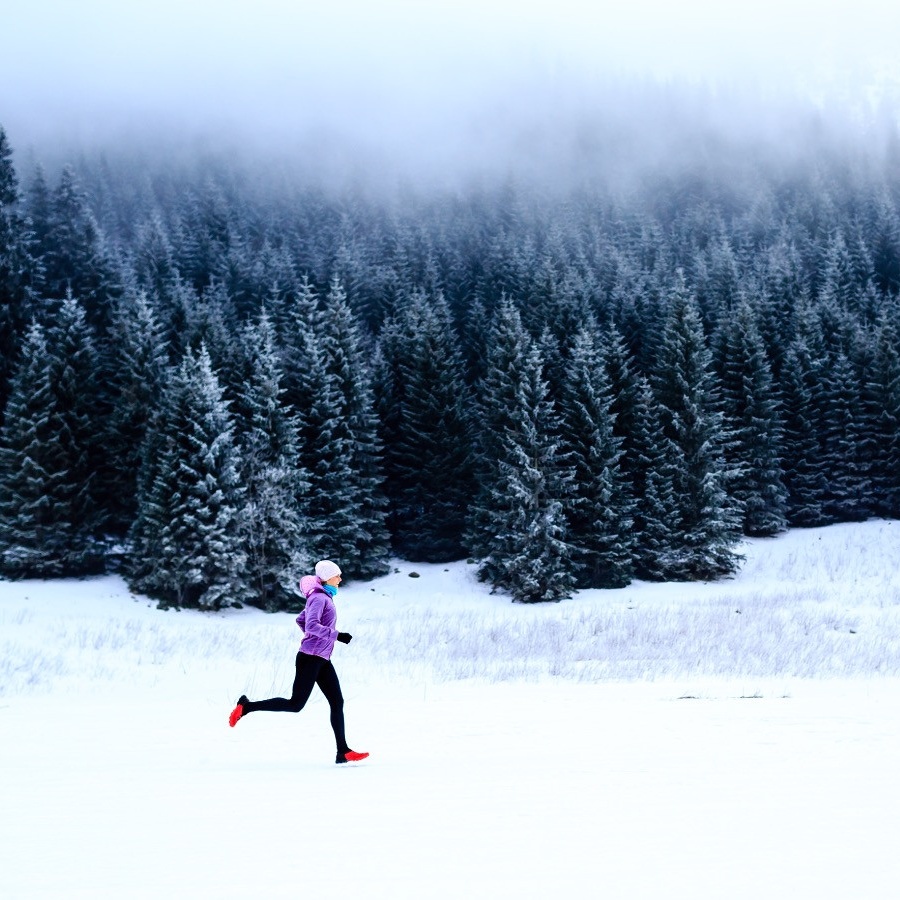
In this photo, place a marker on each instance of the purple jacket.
(318, 620)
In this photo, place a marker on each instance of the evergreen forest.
(213, 374)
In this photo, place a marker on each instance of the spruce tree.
(74, 253)
(425, 429)
(708, 520)
(847, 483)
(50, 456)
(186, 541)
(356, 500)
(270, 473)
(654, 475)
(752, 420)
(838, 287)
(803, 471)
(645, 464)
(29, 453)
(137, 375)
(882, 392)
(517, 526)
(311, 394)
(599, 513)
(153, 260)
(16, 270)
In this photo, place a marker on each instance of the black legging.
(311, 670)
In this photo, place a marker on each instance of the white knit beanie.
(327, 569)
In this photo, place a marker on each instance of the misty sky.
(390, 71)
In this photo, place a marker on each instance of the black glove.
(344, 638)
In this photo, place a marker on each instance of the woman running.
(314, 666)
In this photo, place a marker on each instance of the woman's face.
(335, 580)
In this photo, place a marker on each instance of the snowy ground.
(731, 740)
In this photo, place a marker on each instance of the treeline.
(210, 381)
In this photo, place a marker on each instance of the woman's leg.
(306, 676)
(328, 683)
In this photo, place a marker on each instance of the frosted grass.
(810, 604)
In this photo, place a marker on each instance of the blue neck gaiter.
(330, 589)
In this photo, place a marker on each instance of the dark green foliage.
(706, 518)
(599, 514)
(16, 270)
(425, 432)
(328, 386)
(311, 393)
(518, 520)
(275, 485)
(357, 498)
(50, 456)
(848, 488)
(137, 374)
(186, 539)
(72, 249)
(882, 393)
(804, 472)
(753, 424)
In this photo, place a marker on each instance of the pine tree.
(201, 235)
(311, 394)
(186, 540)
(137, 375)
(645, 464)
(600, 524)
(708, 519)
(886, 243)
(517, 525)
(274, 483)
(752, 420)
(16, 270)
(74, 254)
(882, 392)
(49, 455)
(838, 288)
(328, 388)
(848, 487)
(29, 452)
(154, 258)
(803, 471)
(212, 322)
(427, 458)
(39, 209)
(358, 501)
(654, 475)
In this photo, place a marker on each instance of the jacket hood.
(309, 583)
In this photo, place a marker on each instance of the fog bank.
(405, 90)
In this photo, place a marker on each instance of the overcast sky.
(389, 71)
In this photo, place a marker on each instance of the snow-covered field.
(730, 740)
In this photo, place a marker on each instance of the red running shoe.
(350, 756)
(238, 711)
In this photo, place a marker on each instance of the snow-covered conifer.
(883, 401)
(708, 520)
(517, 525)
(138, 362)
(186, 540)
(353, 435)
(752, 420)
(16, 270)
(425, 429)
(50, 456)
(274, 483)
(599, 514)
